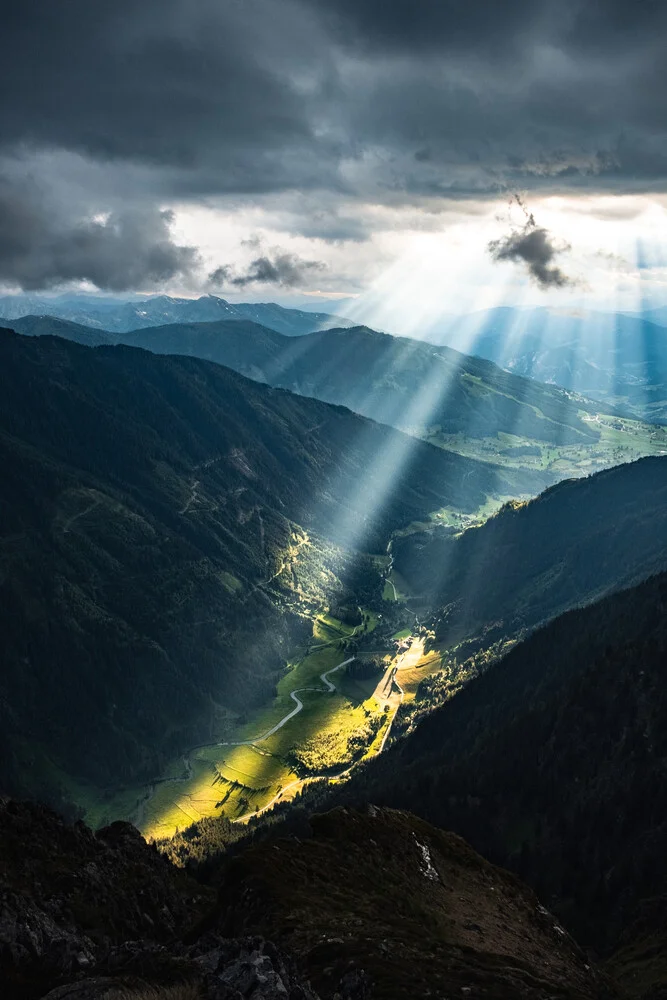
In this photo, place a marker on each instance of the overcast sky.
(273, 148)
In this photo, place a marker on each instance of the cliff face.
(374, 905)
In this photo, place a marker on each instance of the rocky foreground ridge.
(376, 904)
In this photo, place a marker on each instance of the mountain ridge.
(459, 403)
(124, 316)
(615, 357)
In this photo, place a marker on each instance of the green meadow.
(331, 732)
(621, 440)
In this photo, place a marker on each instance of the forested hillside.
(397, 381)
(552, 763)
(406, 383)
(40, 326)
(165, 525)
(573, 543)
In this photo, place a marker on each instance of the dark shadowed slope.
(553, 763)
(165, 522)
(412, 906)
(406, 383)
(575, 542)
(373, 905)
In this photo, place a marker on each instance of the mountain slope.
(464, 404)
(290, 322)
(405, 383)
(658, 316)
(103, 915)
(553, 763)
(413, 907)
(166, 524)
(619, 359)
(572, 544)
(41, 326)
(118, 316)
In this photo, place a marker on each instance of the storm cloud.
(42, 248)
(276, 268)
(348, 100)
(533, 246)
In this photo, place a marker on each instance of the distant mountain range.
(617, 359)
(134, 314)
(658, 315)
(613, 357)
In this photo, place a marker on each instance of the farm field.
(621, 440)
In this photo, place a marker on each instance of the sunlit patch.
(238, 781)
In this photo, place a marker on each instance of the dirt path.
(70, 521)
(191, 499)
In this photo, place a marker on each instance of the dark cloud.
(360, 100)
(440, 25)
(274, 268)
(436, 96)
(533, 246)
(194, 87)
(40, 248)
(499, 29)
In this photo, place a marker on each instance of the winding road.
(324, 777)
(294, 695)
(328, 688)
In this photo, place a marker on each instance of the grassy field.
(331, 732)
(452, 518)
(621, 440)
(415, 667)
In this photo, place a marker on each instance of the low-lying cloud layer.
(345, 100)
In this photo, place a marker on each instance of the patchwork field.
(621, 440)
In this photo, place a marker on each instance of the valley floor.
(319, 726)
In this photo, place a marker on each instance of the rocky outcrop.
(390, 907)
(104, 916)
(214, 969)
(374, 906)
(68, 896)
